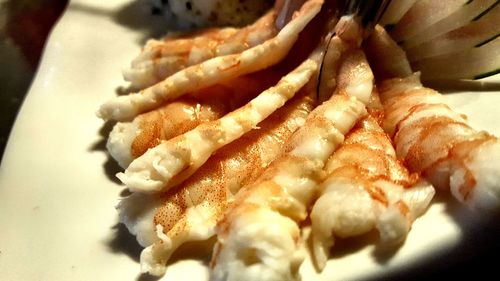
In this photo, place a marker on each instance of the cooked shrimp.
(129, 140)
(386, 58)
(366, 188)
(259, 237)
(434, 140)
(213, 70)
(347, 36)
(191, 210)
(355, 77)
(366, 183)
(173, 161)
(162, 58)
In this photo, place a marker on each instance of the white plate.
(57, 216)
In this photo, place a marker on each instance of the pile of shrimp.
(306, 117)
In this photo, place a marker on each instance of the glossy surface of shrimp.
(190, 211)
(129, 140)
(173, 161)
(259, 238)
(214, 70)
(366, 183)
(162, 58)
(366, 188)
(430, 137)
(436, 141)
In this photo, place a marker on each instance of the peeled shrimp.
(213, 70)
(173, 161)
(395, 11)
(259, 238)
(129, 140)
(162, 58)
(434, 140)
(162, 222)
(366, 188)
(431, 138)
(348, 34)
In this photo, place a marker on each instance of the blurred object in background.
(29, 23)
(24, 27)
(198, 13)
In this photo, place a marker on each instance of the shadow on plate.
(381, 253)
(125, 243)
(110, 167)
(125, 90)
(478, 246)
(467, 219)
(147, 277)
(135, 15)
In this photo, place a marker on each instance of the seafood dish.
(316, 115)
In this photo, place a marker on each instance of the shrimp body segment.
(162, 58)
(213, 71)
(189, 212)
(129, 140)
(173, 161)
(366, 188)
(259, 238)
(434, 140)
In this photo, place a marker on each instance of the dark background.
(25, 26)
